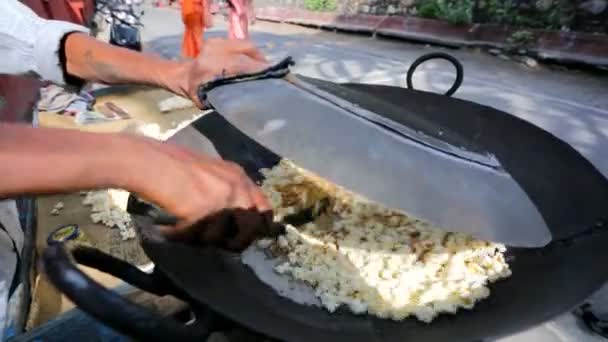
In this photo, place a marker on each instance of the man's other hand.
(218, 58)
(201, 191)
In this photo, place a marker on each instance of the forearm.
(44, 161)
(87, 58)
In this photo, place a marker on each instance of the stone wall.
(591, 15)
(377, 7)
(575, 15)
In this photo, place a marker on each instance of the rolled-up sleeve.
(29, 44)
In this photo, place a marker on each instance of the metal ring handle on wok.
(437, 55)
(109, 307)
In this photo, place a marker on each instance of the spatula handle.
(136, 206)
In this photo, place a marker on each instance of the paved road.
(571, 104)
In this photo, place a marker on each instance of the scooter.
(124, 18)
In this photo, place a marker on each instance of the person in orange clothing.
(193, 17)
(238, 18)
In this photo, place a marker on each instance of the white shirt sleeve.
(29, 45)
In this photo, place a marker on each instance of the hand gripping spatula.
(387, 162)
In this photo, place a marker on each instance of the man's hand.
(197, 189)
(218, 58)
(90, 59)
(214, 199)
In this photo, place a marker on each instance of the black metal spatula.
(139, 207)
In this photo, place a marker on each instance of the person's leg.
(244, 20)
(199, 28)
(185, 37)
(187, 42)
(207, 15)
(238, 21)
(232, 19)
(193, 36)
(192, 16)
(251, 12)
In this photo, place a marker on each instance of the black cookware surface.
(569, 192)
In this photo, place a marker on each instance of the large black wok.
(568, 190)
